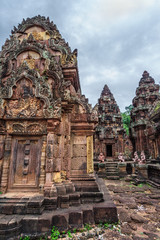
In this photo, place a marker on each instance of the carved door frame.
(25, 187)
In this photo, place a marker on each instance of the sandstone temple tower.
(46, 125)
(147, 94)
(109, 132)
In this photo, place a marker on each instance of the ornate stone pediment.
(34, 75)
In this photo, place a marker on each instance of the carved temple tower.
(109, 132)
(146, 95)
(46, 127)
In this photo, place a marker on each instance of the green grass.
(87, 227)
(25, 238)
(69, 234)
(55, 234)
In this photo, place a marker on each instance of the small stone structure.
(46, 136)
(109, 132)
(145, 126)
(146, 95)
(46, 124)
(153, 131)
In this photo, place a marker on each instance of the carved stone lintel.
(26, 127)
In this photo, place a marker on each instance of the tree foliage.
(126, 118)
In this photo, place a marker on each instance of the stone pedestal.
(142, 170)
(126, 168)
(154, 173)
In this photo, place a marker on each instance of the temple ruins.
(52, 142)
(109, 132)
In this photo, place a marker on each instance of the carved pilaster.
(66, 155)
(1, 154)
(90, 154)
(42, 168)
(49, 153)
(7, 154)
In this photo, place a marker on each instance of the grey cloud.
(113, 50)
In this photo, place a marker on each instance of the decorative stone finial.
(145, 74)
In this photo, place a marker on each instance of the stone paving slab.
(141, 221)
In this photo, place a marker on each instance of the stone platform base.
(74, 217)
(37, 214)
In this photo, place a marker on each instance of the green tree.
(126, 118)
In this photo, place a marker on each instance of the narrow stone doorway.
(109, 150)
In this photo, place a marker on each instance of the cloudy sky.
(116, 39)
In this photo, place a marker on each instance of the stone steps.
(38, 204)
(81, 186)
(112, 177)
(74, 217)
(153, 184)
(112, 170)
(65, 212)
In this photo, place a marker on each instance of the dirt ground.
(138, 210)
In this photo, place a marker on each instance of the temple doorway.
(109, 150)
(25, 163)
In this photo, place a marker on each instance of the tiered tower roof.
(146, 94)
(109, 114)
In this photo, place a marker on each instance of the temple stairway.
(32, 213)
(112, 170)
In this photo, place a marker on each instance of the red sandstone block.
(30, 224)
(7, 209)
(60, 221)
(44, 224)
(76, 219)
(88, 216)
(105, 212)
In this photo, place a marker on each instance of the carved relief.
(23, 89)
(18, 128)
(26, 127)
(31, 107)
(31, 58)
(49, 152)
(2, 126)
(1, 149)
(37, 32)
(69, 60)
(23, 102)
